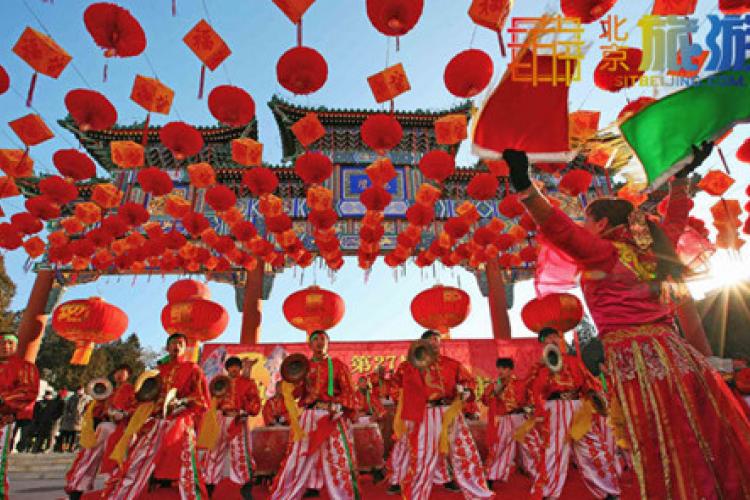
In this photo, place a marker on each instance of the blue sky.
(258, 33)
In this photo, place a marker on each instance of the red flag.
(555, 271)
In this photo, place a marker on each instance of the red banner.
(364, 357)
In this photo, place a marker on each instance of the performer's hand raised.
(519, 168)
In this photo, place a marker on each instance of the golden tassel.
(141, 414)
(524, 429)
(88, 433)
(208, 435)
(582, 420)
(399, 429)
(450, 415)
(617, 422)
(291, 407)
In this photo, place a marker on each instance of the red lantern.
(106, 195)
(375, 198)
(41, 53)
(133, 214)
(115, 225)
(151, 95)
(16, 163)
(34, 247)
(195, 223)
(634, 107)
(308, 129)
(468, 73)
(31, 129)
(302, 70)
(155, 181)
(231, 105)
(420, 215)
(450, 129)
(381, 132)
(323, 219)
(58, 189)
(279, 223)
(90, 110)
(389, 83)
(208, 46)
(220, 198)
(247, 152)
(528, 254)
(743, 152)
(10, 237)
(4, 81)
(715, 183)
(620, 70)
(181, 139)
(511, 206)
(674, 7)
(26, 223)
(456, 227)
(196, 318)
(201, 175)
(441, 308)
(381, 171)
(244, 231)
(483, 187)
(587, 11)
(394, 17)
(734, 7)
(560, 311)
(127, 154)
(294, 9)
(437, 165)
(260, 181)
(86, 322)
(8, 188)
(314, 309)
(74, 164)
(115, 30)
(313, 168)
(575, 182)
(43, 207)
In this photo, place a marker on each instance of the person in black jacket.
(46, 413)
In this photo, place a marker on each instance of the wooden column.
(251, 306)
(496, 299)
(692, 326)
(34, 318)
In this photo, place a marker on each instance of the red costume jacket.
(512, 397)
(573, 378)
(742, 381)
(315, 386)
(383, 387)
(122, 399)
(241, 396)
(368, 403)
(274, 411)
(19, 387)
(188, 379)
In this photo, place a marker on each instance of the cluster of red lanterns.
(322, 218)
(419, 216)
(87, 322)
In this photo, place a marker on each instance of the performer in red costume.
(109, 419)
(431, 408)
(688, 435)
(558, 396)
(327, 396)
(505, 400)
(19, 387)
(240, 400)
(381, 382)
(368, 404)
(164, 448)
(274, 411)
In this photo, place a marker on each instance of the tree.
(55, 353)
(8, 319)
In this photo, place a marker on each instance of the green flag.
(661, 135)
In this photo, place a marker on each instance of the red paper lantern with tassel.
(302, 70)
(58, 189)
(468, 73)
(381, 132)
(155, 181)
(74, 164)
(90, 110)
(437, 165)
(560, 311)
(115, 30)
(441, 308)
(86, 322)
(181, 139)
(31, 129)
(43, 54)
(43, 207)
(231, 105)
(313, 168)
(208, 46)
(314, 308)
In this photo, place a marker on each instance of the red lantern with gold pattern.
(87, 322)
(441, 308)
(302, 70)
(389, 83)
(41, 53)
(197, 318)
(152, 95)
(208, 46)
(314, 309)
(560, 311)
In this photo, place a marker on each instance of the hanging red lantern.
(302, 70)
(86, 322)
(456, 227)
(319, 197)
(100, 237)
(308, 129)
(43, 207)
(34, 247)
(260, 181)
(220, 198)
(155, 181)
(587, 11)
(195, 223)
(279, 223)
(323, 219)
(313, 168)
(560, 311)
(31, 129)
(451, 129)
(151, 95)
(483, 187)
(231, 105)
(294, 9)
(715, 183)
(106, 195)
(133, 214)
(634, 107)
(8, 188)
(16, 163)
(198, 319)
(244, 231)
(115, 225)
(528, 253)
(247, 152)
(10, 237)
(314, 309)
(201, 175)
(386, 85)
(674, 7)
(743, 152)
(41, 53)
(394, 17)
(26, 223)
(115, 30)
(468, 73)
(381, 171)
(375, 198)
(209, 47)
(58, 189)
(181, 139)
(575, 182)
(90, 110)
(437, 165)
(381, 132)
(485, 236)
(127, 154)
(4, 81)
(614, 73)
(734, 7)
(74, 164)
(88, 213)
(491, 14)
(511, 206)
(441, 308)
(420, 215)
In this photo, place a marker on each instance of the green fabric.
(663, 133)
(349, 460)
(193, 464)
(369, 404)
(248, 454)
(10, 336)
(330, 376)
(4, 462)
(604, 381)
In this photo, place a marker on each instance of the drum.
(269, 445)
(478, 429)
(368, 445)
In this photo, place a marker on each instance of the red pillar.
(34, 318)
(692, 326)
(496, 299)
(251, 306)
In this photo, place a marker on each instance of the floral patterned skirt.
(688, 435)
